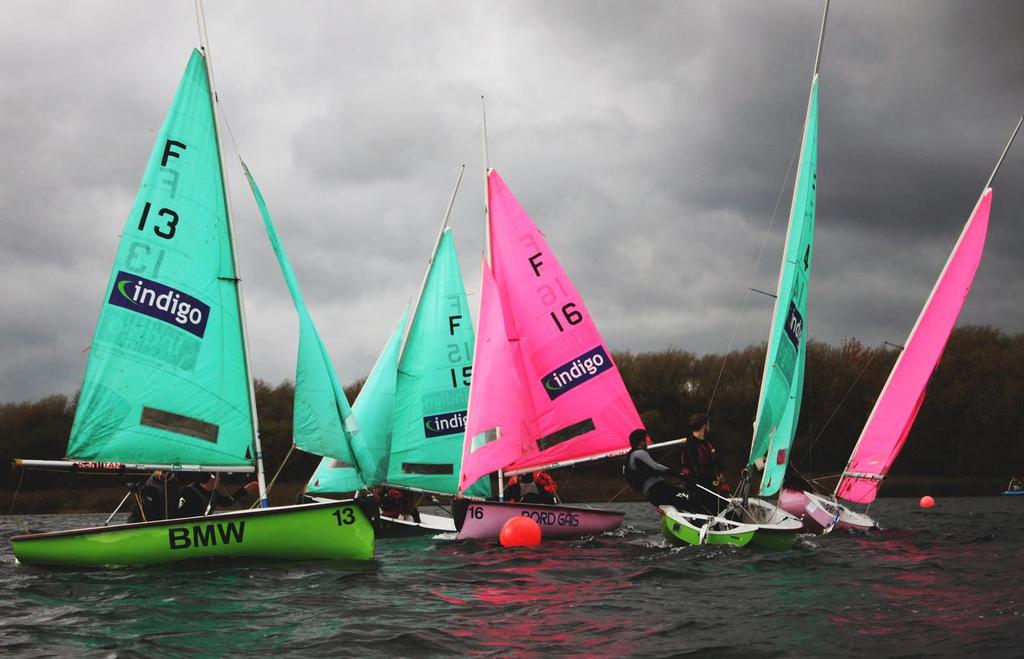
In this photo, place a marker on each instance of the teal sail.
(323, 423)
(778, 408)
(166, 381)
(433, 383)
(373, 409)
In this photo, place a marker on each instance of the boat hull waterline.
(335, 531)
(483, 520)
(683, 528)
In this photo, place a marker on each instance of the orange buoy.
(927, 502)
(520, 532)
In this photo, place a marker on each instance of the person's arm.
(645, 457)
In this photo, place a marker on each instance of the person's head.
(526, 478)
(699, 423)
(639, 438)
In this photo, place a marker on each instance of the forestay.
(323, 423)
(166, 381)
(778, 408)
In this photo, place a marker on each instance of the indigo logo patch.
(449, 423)
(155, 300)
(571, 375)
(794, 325)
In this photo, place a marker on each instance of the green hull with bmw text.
(332, 531)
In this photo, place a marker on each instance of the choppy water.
(943, 582)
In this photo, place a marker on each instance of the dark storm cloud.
(649, 140)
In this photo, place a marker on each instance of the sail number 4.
(345, 517)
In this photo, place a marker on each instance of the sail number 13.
(167, 220)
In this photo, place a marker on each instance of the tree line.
(971, 425)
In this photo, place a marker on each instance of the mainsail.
(167, 380)
(898, 404)
(577, 408)
(434, 375)
(323, 423)
(373, 409)
(778, 407)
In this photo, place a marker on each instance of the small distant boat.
(411, 410)
(167, 385)
(545, 392)
(1014, 488)
(897, 406)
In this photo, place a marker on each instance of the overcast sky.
(648, 139)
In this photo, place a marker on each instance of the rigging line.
(618, 493)
(14, 498)
(273, 480)
(839, 405)
(753, 274)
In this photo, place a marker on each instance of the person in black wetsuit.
(700, 465)
(158, 497)
(203, 494)
(396, 503)
(645, 475)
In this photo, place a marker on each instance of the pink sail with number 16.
(575, 406)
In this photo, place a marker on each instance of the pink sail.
(498, 418)
(580, 406)
(897, 406)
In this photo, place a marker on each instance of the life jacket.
(636, 472)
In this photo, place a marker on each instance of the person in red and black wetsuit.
(700, 465)
(396, 503)
(532, 487)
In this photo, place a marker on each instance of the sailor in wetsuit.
(158, 498)
(701, 466)
(644, 474)
(532, 487)
(201, 497)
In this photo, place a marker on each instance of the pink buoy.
(927, 502)
(520, 532)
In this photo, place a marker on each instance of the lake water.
(943, 582)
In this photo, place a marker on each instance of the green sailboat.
(412, 408)
(168, 383)
(782, 382)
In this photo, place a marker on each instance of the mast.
(879, 477)
(430, 263)
(257, 449)
(789, 229)
(487, 170)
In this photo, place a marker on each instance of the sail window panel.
(565, 434)
(428, 469)
(483, 439)
(178, 423)
(340, 464)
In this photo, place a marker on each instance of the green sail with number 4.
(166, 381)
(323, 423)
(778, 408)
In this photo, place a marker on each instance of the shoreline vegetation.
(968, 439)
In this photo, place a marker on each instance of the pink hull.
(816, 514)
(482, 520)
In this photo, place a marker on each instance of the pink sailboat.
(545, 391)
(897, 406)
